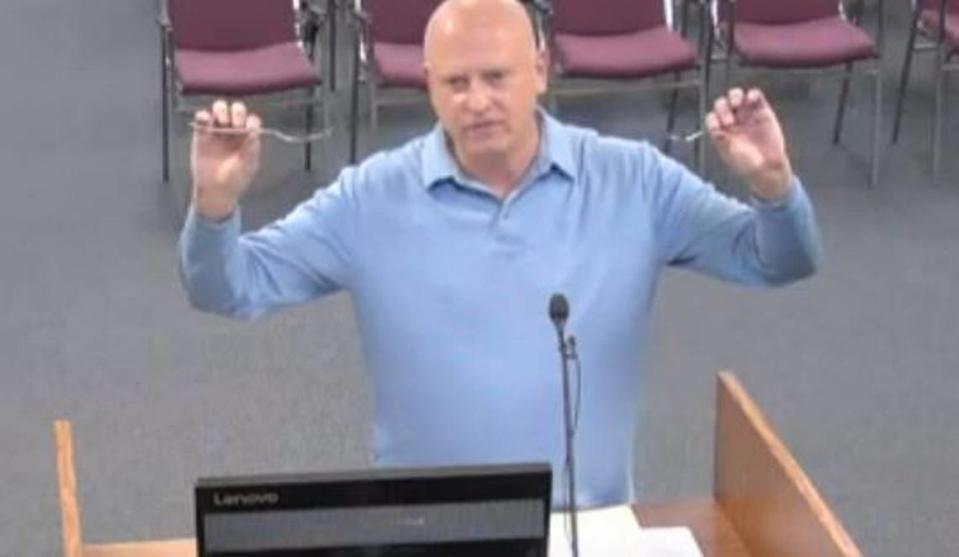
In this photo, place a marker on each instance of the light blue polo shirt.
(451, 286)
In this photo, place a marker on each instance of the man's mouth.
(482, 129)
(482, 126)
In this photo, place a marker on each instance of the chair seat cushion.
(632, 55)
(930, 20)
(816, 43)
(400, 65)
(248, 72)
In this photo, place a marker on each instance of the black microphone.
(558, 311)
(559, 314)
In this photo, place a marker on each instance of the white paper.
(607, 532)
(615, 532)
(670, 542)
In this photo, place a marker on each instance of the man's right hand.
(225, 157)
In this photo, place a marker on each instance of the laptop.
(497, 510)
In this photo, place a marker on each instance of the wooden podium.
(763, 504)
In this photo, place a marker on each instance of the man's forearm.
(207, 250)
(787, 237)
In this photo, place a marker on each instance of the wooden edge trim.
(67, 481)
(788, 465)
(181, 547)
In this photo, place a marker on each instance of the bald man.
(452, 244)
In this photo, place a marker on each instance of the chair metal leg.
(308, 148)
(329, 125)
(671, 117)
(374, 114)
(904, 77)
(355, 102)
(841, 109)
(937, 118)
(165, 107)
(708, 38)
(727, 70)
(876, 127)
(701, 141)
(331, 14)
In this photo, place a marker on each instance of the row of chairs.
(238, 48)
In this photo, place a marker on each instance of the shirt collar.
(555, 151)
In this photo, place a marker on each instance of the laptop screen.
(500, 510)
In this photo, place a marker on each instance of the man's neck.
(503, 173)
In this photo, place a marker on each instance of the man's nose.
(477, 98)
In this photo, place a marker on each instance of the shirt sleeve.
(302, 256)
(762, 243)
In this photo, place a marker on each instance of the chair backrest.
(608, 17)
(952, 7)
(231, 24)
(399, 21)
(779, 11)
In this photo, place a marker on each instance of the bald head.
(484, 76)
(453, 18)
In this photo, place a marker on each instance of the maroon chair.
(600, 45)
(388, 54)
(937, 21)
(804, 37)
(238, 49)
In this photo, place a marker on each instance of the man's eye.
(457, 83)
(495, 77)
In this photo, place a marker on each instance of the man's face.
(484, 83)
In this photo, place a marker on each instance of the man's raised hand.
(224, 158)
(748, 137)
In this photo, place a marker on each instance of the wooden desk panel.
(764, 504)
(763, 491)
(714, 533)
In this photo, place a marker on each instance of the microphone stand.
(567, 352)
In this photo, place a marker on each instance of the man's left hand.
(748, 137)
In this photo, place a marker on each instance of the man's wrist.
(213, 207)
(774, 185)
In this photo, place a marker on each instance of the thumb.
(716, 133)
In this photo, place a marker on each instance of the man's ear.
(542, 68)
(426, 77)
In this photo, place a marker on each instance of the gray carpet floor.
(858, 368)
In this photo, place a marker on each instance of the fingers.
(253, 123)
(724, 112)
(202, 120)
(221, 114)
(735, 98)
(736, 107)
(238, 113)
(202, 117)
(755, 97)
(251, 145)
(713, 126)
(224, 115)
(229, 118)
